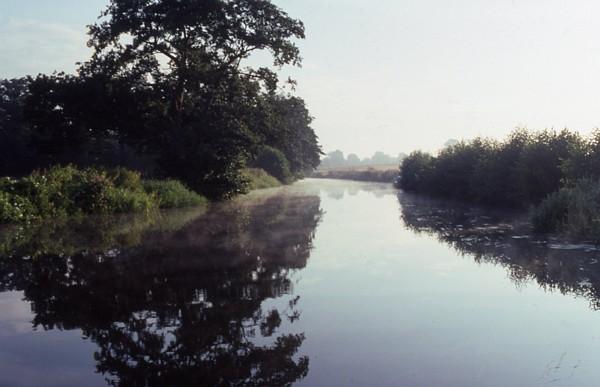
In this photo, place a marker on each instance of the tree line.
(519, 171)
(557, 172)
(168, 91)
(337, 159)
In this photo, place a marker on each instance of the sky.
(391, 75)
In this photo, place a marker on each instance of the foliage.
(167, 91)
(172, 194)
(573, 210)
(15, 155)
(15, 208)
(205, 103)
(67, 191)
(551, 214)
(417, 172)
(274, 162)
(519, 171)
(260, 179)
(286, 127)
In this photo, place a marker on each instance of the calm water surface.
(326, 283)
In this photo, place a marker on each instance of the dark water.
(326, 283)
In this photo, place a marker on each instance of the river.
(323, 283)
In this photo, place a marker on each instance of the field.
(376, 173)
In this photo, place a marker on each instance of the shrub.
(519, 171)
(121, 200)
(416, 172)
(551, 215)
(172, 193)
(14, 208)
(259, 179)
(574, 211)
(125, 178)
(274, 162)
(66, 191)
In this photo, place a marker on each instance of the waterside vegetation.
(169, 93)
(555, 173)
(61, 192)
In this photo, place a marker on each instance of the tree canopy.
(169, 87)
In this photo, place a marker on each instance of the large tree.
(288, 128)
(192, 54)
(15, 155)
(188, 44)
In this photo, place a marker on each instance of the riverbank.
(553, 173)
(61, 192)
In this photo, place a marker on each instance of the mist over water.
(317, 284)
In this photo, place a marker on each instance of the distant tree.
(334, 159)
(352, 159)
(380, 158)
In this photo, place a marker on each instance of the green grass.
(259, 179)
(61, 192)
(173, 194)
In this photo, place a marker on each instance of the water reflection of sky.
(382, 288)
(386, 306)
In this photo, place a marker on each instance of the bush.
(14, 208)
(172, 193)
(125, 178)
(122, 201)
(519, 171)
(551, 215)
(416, 172)
(274, 162)
(259, 179)
(67, 191)
(574, 211)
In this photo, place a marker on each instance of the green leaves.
(67, 191)
(167, 91)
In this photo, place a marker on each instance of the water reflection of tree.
(504, 239)
(181, 307)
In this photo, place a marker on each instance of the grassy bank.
(387, 174)
(68, 191)
(259, 179)
(61, 192)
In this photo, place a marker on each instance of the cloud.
(32, 47)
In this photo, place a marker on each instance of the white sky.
(392, 75)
